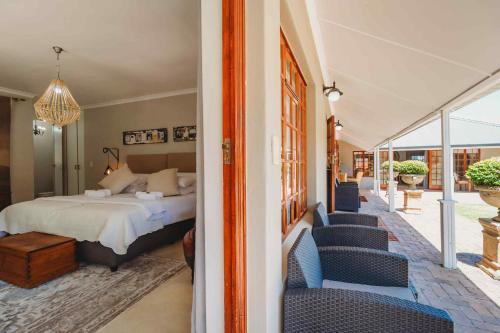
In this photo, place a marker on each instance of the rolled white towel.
(145, 196)
(107, 193)
(158, 195)
(95, 194)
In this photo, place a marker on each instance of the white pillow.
(164, 181)
(118, 179)
(140, 185)
(186, 179)
(187, 190)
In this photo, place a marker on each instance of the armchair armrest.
(351, 235)
(364, 266)
(337, 310)
(350, 218)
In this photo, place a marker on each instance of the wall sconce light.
(338, 126)
(115, 152)
(39, 130)
(332, 92)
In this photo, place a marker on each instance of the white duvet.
(115, 222)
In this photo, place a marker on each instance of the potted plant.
(485, 175)
(395, 168)
(413, 172)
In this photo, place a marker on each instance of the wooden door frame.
(429, 163)
(330, 123)
(234, 164)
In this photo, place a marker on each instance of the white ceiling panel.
(457, 30)
(408, 74)
(115, 49)
(398, 61)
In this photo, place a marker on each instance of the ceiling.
(115, 49)
(397, 61)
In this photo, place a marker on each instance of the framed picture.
(158, 135)
(184, 133)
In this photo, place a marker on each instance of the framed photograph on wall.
(184, 133)
(158, 135)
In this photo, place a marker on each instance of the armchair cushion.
(304, 265)
(398, 292)
(320, 215)
(366, 266)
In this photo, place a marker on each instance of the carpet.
(392, 237)
(85, 300)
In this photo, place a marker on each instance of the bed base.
(95, 253)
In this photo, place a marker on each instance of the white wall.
(263, 177)
(104, 127)
(345, 155)
(265, 250)
(489, 153)
(296, 26)
(21, 151)
(211, 58)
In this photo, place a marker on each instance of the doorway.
(48, 157)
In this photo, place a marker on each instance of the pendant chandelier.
(57, 106)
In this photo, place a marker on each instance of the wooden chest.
(30, 259)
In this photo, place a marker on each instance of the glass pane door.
(436, 169)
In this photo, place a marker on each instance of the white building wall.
(266, 251)
(489, 153)
(296, 26)
(211, 50)
(263, 176)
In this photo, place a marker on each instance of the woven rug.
(392, 237)
(82, 301)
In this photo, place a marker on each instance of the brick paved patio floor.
(466, 293)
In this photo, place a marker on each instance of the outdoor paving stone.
(486, 326)
(459, 317)
(470, 313)
(449, 289)
(469, 295)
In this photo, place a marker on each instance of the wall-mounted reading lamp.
(338, 126)
(332, 92)
(115, 152)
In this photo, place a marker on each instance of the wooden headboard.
(150, 163)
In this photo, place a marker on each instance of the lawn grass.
(474, 211)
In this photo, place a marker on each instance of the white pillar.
(448, 248)
(376, 171)
(391, 184)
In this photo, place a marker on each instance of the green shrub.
(395, 166)
(412, 167)
(486, 172)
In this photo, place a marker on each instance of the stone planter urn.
(491, 233)
(491, 195)
(412, 180)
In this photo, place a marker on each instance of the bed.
(122, 227)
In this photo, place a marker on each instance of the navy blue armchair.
(350, 290)
(348, 229)
(347, 197)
